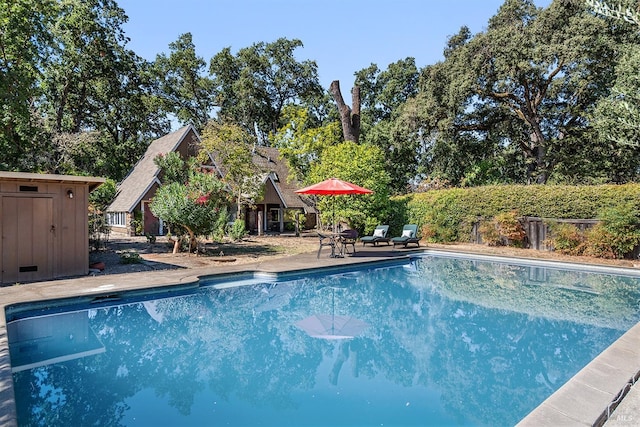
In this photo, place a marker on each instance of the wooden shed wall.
(44, 232)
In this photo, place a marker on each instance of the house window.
(275, 214)
(117, 218)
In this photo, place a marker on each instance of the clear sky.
(342, 36)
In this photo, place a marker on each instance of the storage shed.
(44, 226)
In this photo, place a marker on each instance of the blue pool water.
(435, 341)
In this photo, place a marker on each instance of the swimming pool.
(438, 341)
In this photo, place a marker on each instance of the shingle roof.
(145, 173)
(268, 159)
(272, 165)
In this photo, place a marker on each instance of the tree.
(362, 164)
(623, 11)
(383, 92)
(526, 82)
(616, 120)
(197, 206)
(91, 82)
(25, 43)
(253, 87)
(301, 142)
(349, 116)
(232, 147)
(383, 95)
(183, 88)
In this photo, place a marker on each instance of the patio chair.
(409, 235)
(348, 237)
(379, 235)
(326, 240)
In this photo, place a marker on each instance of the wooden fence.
(537, 229)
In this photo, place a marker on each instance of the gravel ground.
(159, 256)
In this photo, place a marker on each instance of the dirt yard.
(159, 256)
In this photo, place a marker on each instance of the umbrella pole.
(333, 311)
(333, 213)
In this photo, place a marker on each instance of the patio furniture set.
(340, 242)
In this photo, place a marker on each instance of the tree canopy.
(195, 207)
(542, 95)
(232, 148)
(362, 164)
(254, 86)
(519, 91)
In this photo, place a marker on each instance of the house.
(275, 211)
(129, 213)
(44, 226)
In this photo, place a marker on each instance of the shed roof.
(92, 181)
(145, 173)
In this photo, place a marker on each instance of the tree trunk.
(349, 117)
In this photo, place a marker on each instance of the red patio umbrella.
(334, 187)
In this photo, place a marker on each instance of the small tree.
(232, 147)
(99, 200)
(194, 208)
(362, 164)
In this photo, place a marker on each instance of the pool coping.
(584, 400)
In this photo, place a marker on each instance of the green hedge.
(447, 215)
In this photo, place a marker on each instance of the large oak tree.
(524, 86)
(253, 86)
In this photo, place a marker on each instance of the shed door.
(27, 239)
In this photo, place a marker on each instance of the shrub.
(566, 239)
(618, 233)
(427, 232)
(237, 230)
(598, 243)
(490, 234)
(447, 214)
(510, 229)
(129, 257)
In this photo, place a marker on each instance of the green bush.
(129, 257)
(448, 215)
(618, 233)
(237, 230)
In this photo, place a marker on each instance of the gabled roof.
(268, 159)
(275, 169)
(145, 173)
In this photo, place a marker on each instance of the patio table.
(335, 241)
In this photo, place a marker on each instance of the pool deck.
(581, 401)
